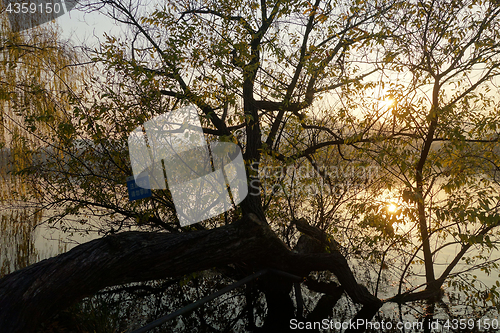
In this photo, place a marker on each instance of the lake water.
(24, 240)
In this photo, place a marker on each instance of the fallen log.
(34, 294)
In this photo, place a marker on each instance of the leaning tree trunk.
(33, 294)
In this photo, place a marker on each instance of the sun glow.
(392, 208)
(387, 103)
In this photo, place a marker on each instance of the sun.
(392, 208)
(387, 103)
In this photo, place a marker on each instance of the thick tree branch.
(35, 293)
(298, 70)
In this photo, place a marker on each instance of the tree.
(34, 76)
(292, 83)
(445, 171)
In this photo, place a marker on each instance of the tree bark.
(280, 309)
(33, 294)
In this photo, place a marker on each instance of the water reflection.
(24, 240)
(23, 237)
(17, 232)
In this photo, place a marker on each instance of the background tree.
(442, 62)
(34, 80)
